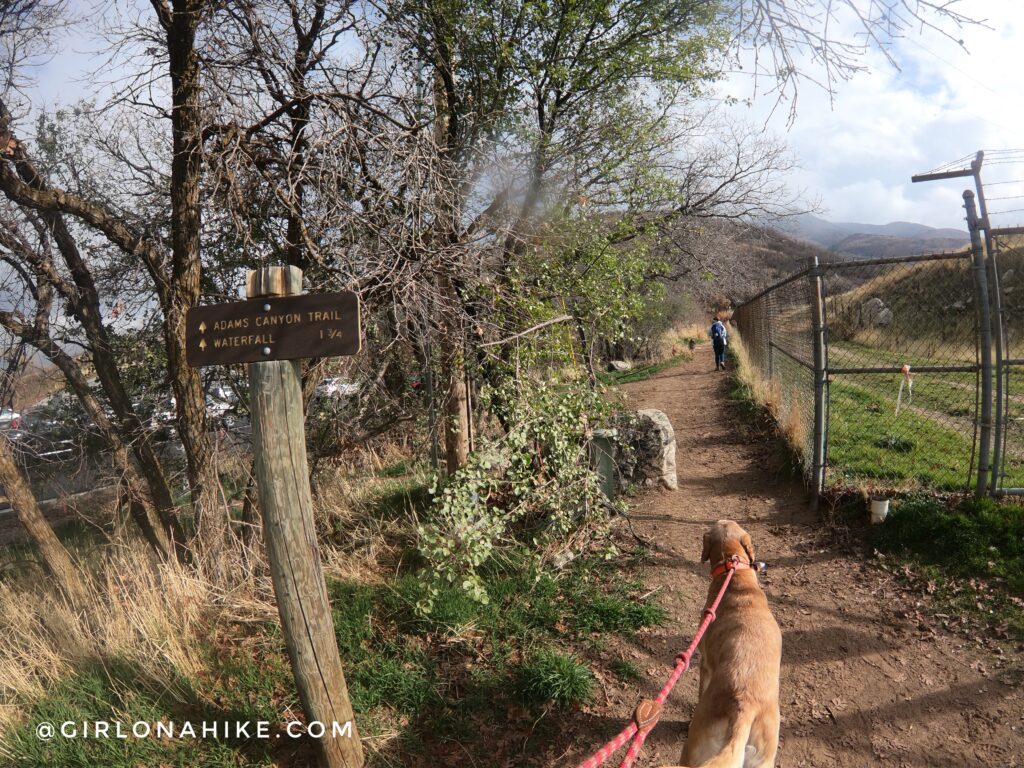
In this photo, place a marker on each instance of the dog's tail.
(734, 753)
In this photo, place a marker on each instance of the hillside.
(898, 238)
(726, 262)
(888, 246)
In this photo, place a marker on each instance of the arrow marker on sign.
(202, 327)
(202, 343)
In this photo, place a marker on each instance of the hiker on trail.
(718, 336)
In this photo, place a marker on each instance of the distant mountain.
(883, 246)
(898, 238)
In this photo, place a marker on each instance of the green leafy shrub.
(534, 484)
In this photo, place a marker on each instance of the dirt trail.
(864, 682)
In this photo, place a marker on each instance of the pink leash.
(647, 712)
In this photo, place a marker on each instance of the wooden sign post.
(282, 480)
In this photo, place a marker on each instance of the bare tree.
(27, 31)
(41, 280)
(824, 42)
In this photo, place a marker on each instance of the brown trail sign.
(273, 328)
(270, 332)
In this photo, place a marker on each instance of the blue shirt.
(718, 328)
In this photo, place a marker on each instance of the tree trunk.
(456, 421)
(83, 300)
(56, 558)
(181, 25)
(456, 432)
(164, 539)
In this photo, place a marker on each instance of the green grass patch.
(467, 661)
(971, 554)
(973, 538)
(395, 497)
(626, 671)
(557, 678)
(108, 692)
(868, 441)
(465, 673)
(398, 469)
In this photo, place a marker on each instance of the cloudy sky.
(857, 152)
(944, 103)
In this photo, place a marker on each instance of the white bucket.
(879, 510)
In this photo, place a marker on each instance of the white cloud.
(887, 124)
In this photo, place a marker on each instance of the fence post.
(984, 341)
(820, 376)
(282, 480)
(998, 329)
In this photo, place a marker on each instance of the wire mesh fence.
(902, 372)
(899, 369)
(776, 329)
(1008, 270)
(912, 368)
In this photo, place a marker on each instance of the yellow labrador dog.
(736, 721)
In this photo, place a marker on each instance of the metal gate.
(1006, 273)
(901, 372)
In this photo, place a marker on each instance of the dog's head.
(725, 539)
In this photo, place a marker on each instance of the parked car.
(165, 412)
(223, 393)
(9, 418)
(218, 410)
(41, 435)
(336, 387)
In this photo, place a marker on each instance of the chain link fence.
(1008, 453)
(777, 333)
(898, 369)
(903, 372)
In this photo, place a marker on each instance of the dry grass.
(768, 394)
(366, 518)
(375, 456)
(156, 615)
(675, 341)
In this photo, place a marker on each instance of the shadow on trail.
(808, 646)
(667, 738)
(739, 482)
(857, 618)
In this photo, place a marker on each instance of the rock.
(1007, 276)
(646, 449)
(620, 365)
(874, 314)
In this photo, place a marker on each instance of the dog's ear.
(706, 554)
(748, 546)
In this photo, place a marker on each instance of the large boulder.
(874, 314)
(646, 452)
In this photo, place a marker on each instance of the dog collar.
(723, 566)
